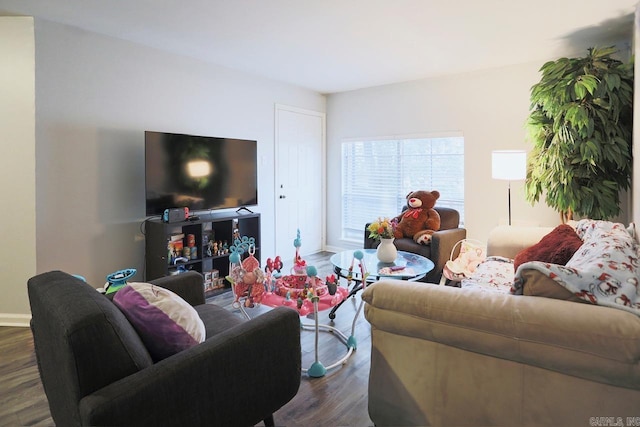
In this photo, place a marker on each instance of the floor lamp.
(510, 165)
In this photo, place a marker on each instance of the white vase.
(387, 251)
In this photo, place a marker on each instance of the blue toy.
(118, 279)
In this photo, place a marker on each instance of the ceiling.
(339, 45)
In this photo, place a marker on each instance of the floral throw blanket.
(494, 274)
(603, 271)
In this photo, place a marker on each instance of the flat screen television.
(199, 172)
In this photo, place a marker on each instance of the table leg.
(356, 287)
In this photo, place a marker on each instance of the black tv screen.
(199, 172)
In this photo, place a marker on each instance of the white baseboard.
(336, 249)
(16, 320)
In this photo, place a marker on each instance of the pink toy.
(471, 255)
(299, 288)
(248, 280)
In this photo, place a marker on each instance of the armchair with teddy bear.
(427, 230)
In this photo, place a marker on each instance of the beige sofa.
(466, 357)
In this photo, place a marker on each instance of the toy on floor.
(118, 279)
(302, 283)
(297, 289)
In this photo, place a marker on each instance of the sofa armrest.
(237, 377)
(507, 240)
(593, 342)
(442, 243)
(189, 286)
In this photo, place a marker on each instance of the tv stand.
(244, 208)
(162, 239)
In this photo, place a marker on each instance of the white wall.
(488, 107)
(17, 167)
(95, 98)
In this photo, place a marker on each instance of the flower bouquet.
(382, 228)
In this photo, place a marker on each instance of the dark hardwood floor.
(22, 398)
(337, 399)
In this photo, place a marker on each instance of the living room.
(80, 102)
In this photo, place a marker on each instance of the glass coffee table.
(407, 266)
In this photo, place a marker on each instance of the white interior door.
(299, 180)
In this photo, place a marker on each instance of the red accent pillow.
(557, 247)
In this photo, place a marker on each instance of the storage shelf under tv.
(216, 226)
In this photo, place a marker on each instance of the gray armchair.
(442, 242)
(96, 371)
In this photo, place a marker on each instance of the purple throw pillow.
(166, 323)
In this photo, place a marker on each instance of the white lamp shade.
(509, 164)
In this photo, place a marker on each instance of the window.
(378, 174)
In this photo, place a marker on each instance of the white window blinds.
(378, 174)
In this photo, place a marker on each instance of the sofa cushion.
(166, 323)
(217, 319)
(557, 247)
(537, 284)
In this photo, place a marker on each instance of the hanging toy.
(253, 278)
(332, 284)
(274, 265)
(272, 271)
(235, 271)
(246, 277)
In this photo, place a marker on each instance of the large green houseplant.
(581, 125)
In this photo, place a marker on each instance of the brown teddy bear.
(420, 220)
